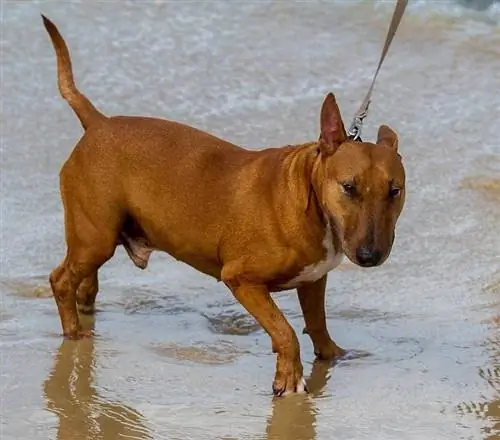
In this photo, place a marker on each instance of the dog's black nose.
(367, 257)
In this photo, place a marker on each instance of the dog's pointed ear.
(388, 137)
(332, 128)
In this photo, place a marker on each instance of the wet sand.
(174, 356)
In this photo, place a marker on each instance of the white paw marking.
(318, 270)
(301, 386)
(300, 389)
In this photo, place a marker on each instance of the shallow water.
(174, 356)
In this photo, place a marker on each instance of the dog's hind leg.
(86, 294)
(92, 229)
(79, 267)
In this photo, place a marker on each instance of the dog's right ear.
(388, 137)
(332, 128)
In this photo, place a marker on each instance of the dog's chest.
(313, 272)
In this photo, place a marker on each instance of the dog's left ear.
(332, 128)
(387, 137)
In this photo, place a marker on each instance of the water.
(174, 356)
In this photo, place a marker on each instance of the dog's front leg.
(312, 302)
(256, 299)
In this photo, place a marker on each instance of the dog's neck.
(302, 165)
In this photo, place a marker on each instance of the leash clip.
(355, 129)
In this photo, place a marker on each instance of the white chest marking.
(318, 270)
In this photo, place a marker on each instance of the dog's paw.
(289, 380)
(329, 351)
(285, 389)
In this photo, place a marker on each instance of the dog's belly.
(140, 242)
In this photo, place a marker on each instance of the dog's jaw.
(333, 257)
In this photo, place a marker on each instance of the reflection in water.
(294, 417)
(492, 375)
(490, 410)
(82, 412)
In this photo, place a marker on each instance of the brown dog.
(260, 221)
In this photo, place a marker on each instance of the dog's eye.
(349, 189)
(394, 192)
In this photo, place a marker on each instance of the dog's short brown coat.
(260, 221)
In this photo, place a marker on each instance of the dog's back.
(159, 176)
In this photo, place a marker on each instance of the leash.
(357, 123)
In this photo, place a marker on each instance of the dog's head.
(360, 187)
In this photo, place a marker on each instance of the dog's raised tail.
(83, 108)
